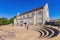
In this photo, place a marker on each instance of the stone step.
(48, 32)
(41, 33)
(45, 33)
(49, 35)
(56, 32)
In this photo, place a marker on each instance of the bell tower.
(46, 12)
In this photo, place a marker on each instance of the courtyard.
(8, 32)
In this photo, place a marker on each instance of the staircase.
(48, 33)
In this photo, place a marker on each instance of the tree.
(5, 21)
(12, 20)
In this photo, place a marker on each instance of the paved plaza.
(21, 33)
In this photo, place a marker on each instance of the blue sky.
(9, 8)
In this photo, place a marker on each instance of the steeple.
(46, 9)
(46, 4)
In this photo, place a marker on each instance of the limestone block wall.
(39, 17)
(46, 11)
(35, 17)
(15, 21)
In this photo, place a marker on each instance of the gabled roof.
(32, 10)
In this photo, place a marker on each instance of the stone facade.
(37, 16)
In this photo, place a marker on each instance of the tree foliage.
(5, 21)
